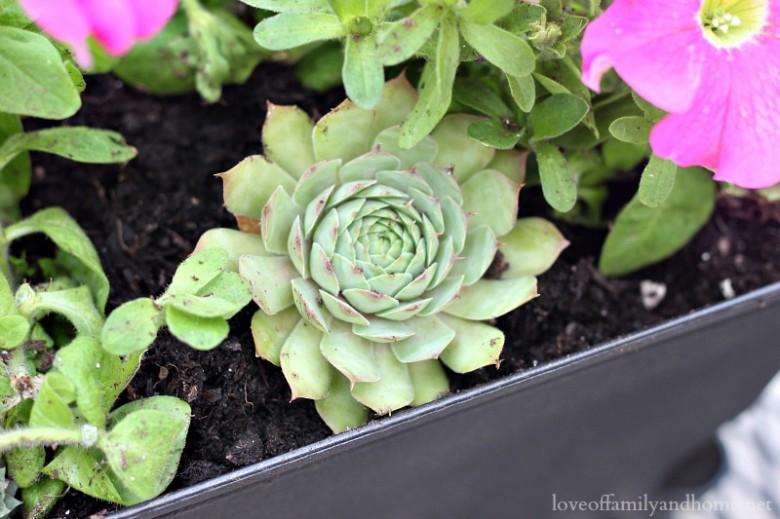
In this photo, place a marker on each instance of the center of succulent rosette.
(730, 23)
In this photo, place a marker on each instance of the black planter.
(613, 420)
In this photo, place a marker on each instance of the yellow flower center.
(730, 23)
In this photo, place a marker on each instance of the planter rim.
(408, 418)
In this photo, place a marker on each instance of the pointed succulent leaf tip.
(459, 151)
(339, 410)
(364, 250)
(249, 185)
(306, 370)
(269, 333)
(475, 345)
(287, 139)
(531, 247)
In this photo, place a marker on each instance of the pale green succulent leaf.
(327, 232)
(475, 345)
(503, 49)
(306, 297)
(401, 39)
(492, 199)
(455, 222)
(351, 354)
(419, 285)
(406, 310)
(430, 207)
(383, 331)
(531, 247)
(442, 295)
(457, 150)
(404, 180)
(441, 181)
(511, 164)
(276, 221)
(445, 259)
(322, 269)
(348, 208)
(201, 333)
(429, 380)
(315, 210)
(235, 243)
(368, 301)
(389, 284)
(270, 332)
(435, 86)
(339, 409)
(318, 178)
(491, 298)
(478, 253)
(348, 273)
(430, 338)
(424, 151)
(248, 186)
(342, 310)
(363, 73)
(287, 139)
(307, 372)
(344, 133)
(392, 391)
(398, 101)
(269, 279)
(364, 168)
(295, 29)
(298, 248)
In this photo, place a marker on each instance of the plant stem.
(32, 436)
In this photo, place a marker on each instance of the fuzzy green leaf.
(644, 235)
(364, 76)
(657, 181)
(523, 90)
(293, 29)
(75, 143)
(35, 81)
(486, 11)
(557, 115)
(201, 333)
(503, 49)
(631, 129)
(401, 39)
(131, 327)
(558, 183)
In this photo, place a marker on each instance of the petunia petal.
(656, 46)
(151, 16)
(113, 24)
(64, 20)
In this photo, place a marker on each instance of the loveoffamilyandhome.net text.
(643, 503)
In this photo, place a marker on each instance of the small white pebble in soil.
(706, 256)
(727, 289)
(652, 293)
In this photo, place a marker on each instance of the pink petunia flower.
(714, 65)
(116, 24)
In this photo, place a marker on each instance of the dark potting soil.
(145, 217)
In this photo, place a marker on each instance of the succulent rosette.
(369, 261)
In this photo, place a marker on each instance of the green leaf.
(55, 223)
(478, 96)
(144, 448)
(400, 40)
(486, 11)
(17, 173)
(652, 112)
(363, 74)
(320, 69)
(74, 304)
(644, 235)
(292, 29)
(35, 81)
(291, 6)
(131, 327)
(13, 331)
(201, 333)
(523, 90)
(557, 115)
(51, 407)
(657, 181)
(503, 49)
(435, 87)
(524, 17)
(85, 470)
(495, 134)
(75, 143)
(558, 183)
(197, 271)
(631, 129)
(41, 497)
